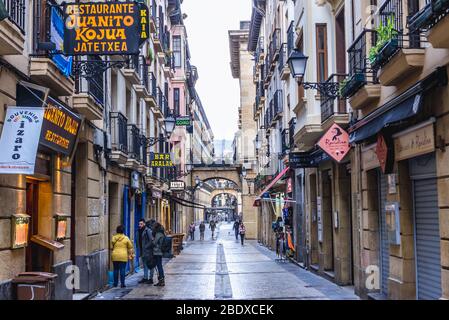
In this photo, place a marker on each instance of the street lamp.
(170, 123)
(297, 62)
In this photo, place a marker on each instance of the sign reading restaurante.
(160, 160)
(108, 28)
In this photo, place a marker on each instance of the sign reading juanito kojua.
(105, 28)
(60, 128)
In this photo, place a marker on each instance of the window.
(177, 51)
(321, 51)
(176, 101)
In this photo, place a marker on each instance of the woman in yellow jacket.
(122, 251)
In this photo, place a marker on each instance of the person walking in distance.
(212, 226)
(242, 231)
(122, 251)
(192, 231)
(236, 227)
(202, 230)
(145, 238)
(158, 238)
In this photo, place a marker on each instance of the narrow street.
(223, 269)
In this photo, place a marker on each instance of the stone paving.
(223, 269)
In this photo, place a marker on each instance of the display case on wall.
(19, 230)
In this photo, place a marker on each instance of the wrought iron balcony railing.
(93, 85)
(290, 38)
(119, 132)
(16, 11)
(360, 70)
(432, 13)
(278, 105)
(134, 142)
(283, 57)
(275, 45)
(144, 150)
(331, 105)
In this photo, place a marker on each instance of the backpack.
(166, 244)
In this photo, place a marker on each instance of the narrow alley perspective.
(224, 269)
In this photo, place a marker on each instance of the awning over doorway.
(272, 183)
(403, 107)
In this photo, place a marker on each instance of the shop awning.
(403, 107)
(272, 183)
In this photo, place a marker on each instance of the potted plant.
(387, 44)
(351, 85)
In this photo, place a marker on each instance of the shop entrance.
(382, 184)
(327, 217)
(314, 229)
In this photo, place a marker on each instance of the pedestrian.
(202, 229)
(145, 238)
(122, 251)
(236, 227)
(242, 231)
(192, 231)
(158, 238)
(212, 226)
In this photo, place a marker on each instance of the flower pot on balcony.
(404, 63)
(384, 54)
(353, 84)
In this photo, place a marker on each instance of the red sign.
(335, 143)
(289, 185)
(384, 154)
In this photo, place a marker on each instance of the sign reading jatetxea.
(20, 140)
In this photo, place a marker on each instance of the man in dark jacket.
(145, 249)
(158, 238)
(212, 226)
(236, 229)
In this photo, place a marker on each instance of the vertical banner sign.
(105, 28)
(385, 153)
(335, 143)
(20, 140)
(319, 219)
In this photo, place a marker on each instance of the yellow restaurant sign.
(106, 28)
(161, 160)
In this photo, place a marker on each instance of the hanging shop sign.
(20, 140)
(160, 160)
(20, 226)
(289, 185)
(177, 185)
(183, 122)
(60, 128)
(108, 28)
(335, 143)
(61, 227)
(385, 153)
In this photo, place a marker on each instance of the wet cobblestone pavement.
(223, 269)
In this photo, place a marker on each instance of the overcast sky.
(207, 26)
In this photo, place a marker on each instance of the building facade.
(74, 202)
(378, 69)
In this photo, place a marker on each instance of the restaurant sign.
(183, 122)
(335, 143)
(60, 128)
(160, 160)
(177, 186)
(20, 140)
(106, 28)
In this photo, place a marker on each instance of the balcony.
(362, 87)
(275, 47)
(131, 71)
(433, 19)
(88, 99)
(12, 29)
(158, 36)
(397, 54)
(301, 101)
(149, 81)
(134, 147)
(52, 71)
(119, 138)
(278, 105)
(169, 65)
(143, 155)
(153, 15)
(284, 69)
(285, 138)
(333, 109)
(260, 53)
(158, 109)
